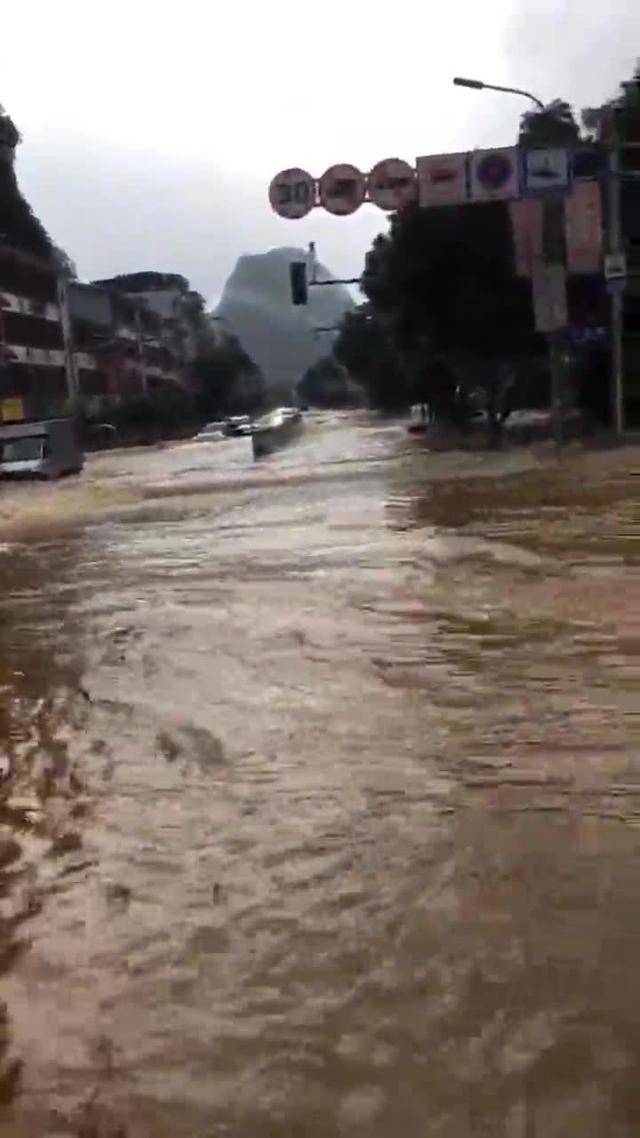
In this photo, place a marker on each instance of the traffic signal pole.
(300, 282)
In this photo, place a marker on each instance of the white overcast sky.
(151, 130)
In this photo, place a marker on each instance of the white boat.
(275, 430)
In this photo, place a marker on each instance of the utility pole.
(549, 279)
(617, 298)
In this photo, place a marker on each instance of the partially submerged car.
(47, 448)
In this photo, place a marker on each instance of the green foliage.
(65, 266)
(553, 126)
(19, 227)
(325, 384)
(163, 411)
(446, 279)
(227, 378)
(366, 350)
(146, 282)
(9, 133)
(617, 116)
(447, 307)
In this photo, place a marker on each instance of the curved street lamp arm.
(516, 91)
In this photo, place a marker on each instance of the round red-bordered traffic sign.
(392, 184)
(342, 188)
(292, 193)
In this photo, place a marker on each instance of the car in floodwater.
(237, 425)
(214, 430)
(275, 430)
(46, 448)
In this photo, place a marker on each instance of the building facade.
(37, 378)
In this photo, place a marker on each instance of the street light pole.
(479, 85)
(554, 345)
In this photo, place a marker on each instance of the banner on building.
(527, 225)
(583, 228)
(494, 174)
(442, 179)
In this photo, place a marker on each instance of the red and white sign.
(442, 179)
(583, 228)
(392, 184)
(342, 189)
(292, 193)
(494, 174)
(527, 224)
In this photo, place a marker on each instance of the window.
(23, 450)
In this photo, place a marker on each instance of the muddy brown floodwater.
(323, 815)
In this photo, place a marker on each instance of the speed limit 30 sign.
(292, 193)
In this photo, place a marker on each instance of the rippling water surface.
(321, 800)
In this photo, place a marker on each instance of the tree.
(66, 267)
(325, 384)
(553, 126)
(19, 227)
(164, 410)
(618, 114)
(366, 349)
(227, 378)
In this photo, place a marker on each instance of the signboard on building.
(615, 266)
(493, 174)
(583, 228)
(442, 179)
(12, 410)
(546, 168)
(549, 297)
(342, 189)
(527, 225)
(292, 193)
(392, 184)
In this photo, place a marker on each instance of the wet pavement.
(320, 808)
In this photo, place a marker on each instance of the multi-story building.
(65, 344)
(36, 373)
(36, 377)
(121, 346)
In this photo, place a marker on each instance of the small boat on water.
(275, 430)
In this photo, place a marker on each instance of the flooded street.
(323, 808)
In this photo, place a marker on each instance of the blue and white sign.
(546, 168)
(494, 174)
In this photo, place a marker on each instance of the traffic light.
(298, 277)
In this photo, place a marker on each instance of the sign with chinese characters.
(442, 179)
(392, 184)
(583, 228)
(292, 193)
(342, 189)
(546, 168)
(494, 174)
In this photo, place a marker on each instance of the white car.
(211, 431)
